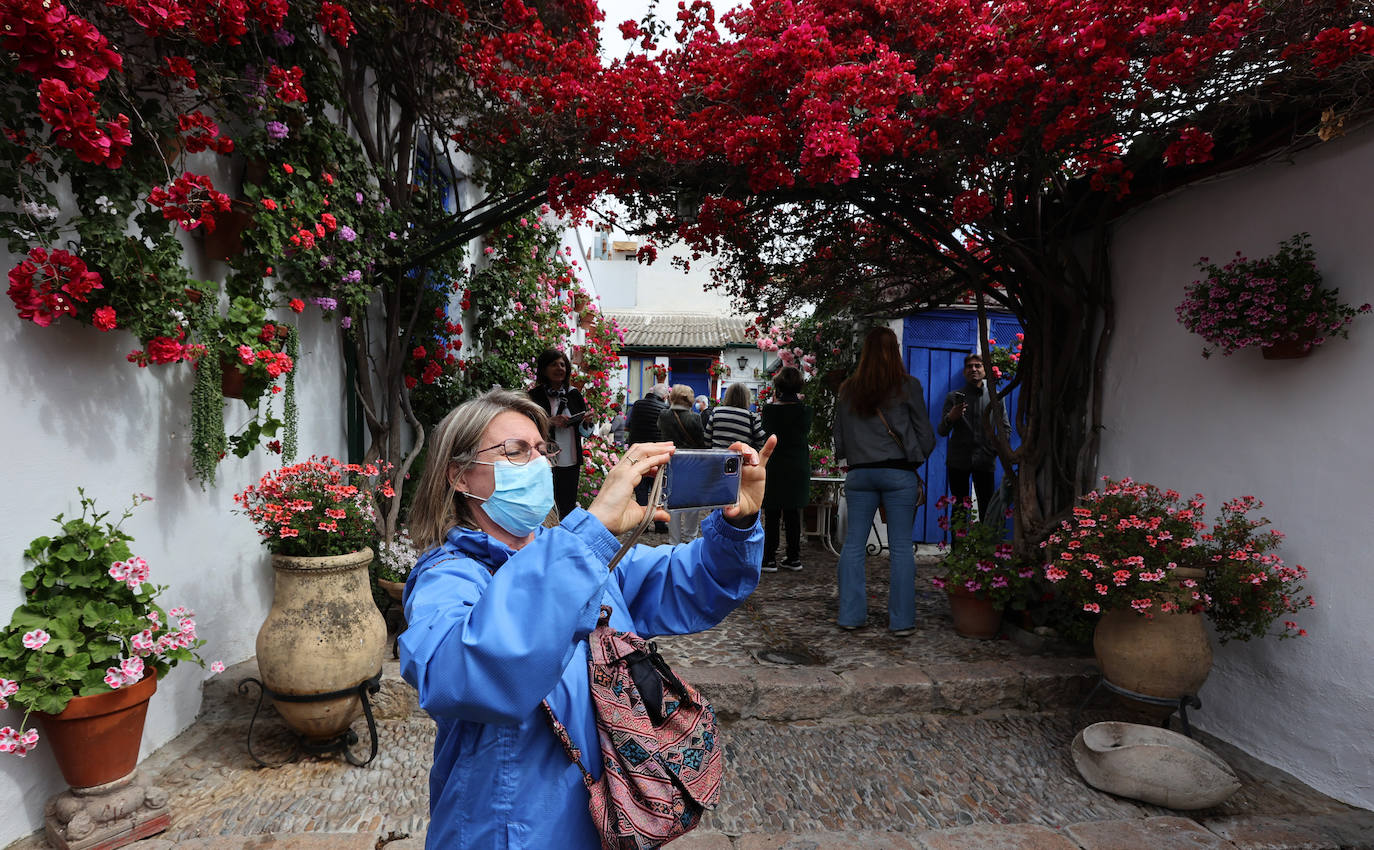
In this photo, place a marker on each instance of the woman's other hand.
(615, 504)
(743, 513)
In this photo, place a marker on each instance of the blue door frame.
(934, 345)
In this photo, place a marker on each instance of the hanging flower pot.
(95, 740)
(1289, 349)
(231, 378)
(226, 240)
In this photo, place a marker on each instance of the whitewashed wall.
(1292, 432)
(76, 414)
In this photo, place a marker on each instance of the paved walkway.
(833, 740)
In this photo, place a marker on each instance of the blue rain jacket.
(483, 648)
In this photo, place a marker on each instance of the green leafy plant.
(1247, 587)
(89, 623)
(978, 558)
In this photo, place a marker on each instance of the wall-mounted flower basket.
(226, 240)
(1276, 303)
(1289, 349)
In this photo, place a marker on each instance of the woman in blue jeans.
(882, 436)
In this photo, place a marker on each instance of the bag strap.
(920, 483)
(559, 730)
(892, 434)
(686, 435)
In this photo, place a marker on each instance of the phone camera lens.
(731, 465)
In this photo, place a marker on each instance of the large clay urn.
(1167, 656)
(323, 634)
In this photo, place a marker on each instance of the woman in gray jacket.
(882, 436)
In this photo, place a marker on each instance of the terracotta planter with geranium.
(1275, 303)
(977, 571)
(82, 655)
(1148, 563)
(318, 519)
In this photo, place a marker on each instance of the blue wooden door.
(934, 345)
(691, 371)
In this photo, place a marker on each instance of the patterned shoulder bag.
(661, 764)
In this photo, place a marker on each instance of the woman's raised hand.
(615, 504)
(752, 479)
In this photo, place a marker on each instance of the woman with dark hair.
(567, 410)
(732, 420)
(499, 609)
(882, 436)
(789, 472)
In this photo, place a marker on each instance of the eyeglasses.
(519, 452)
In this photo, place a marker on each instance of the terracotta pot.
(230, 378)
(1289, 349)
(323, 634)
(973, 617)
(226, 240)
(95, 740)
(1166, 656)
(394, 589)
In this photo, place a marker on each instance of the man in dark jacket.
(970, 452)
(643, 428)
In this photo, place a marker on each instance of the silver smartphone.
(701, 478)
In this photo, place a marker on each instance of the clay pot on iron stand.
(95, 741)
(973, 616)
(1166, 657)
(320, 649)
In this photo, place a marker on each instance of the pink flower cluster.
(1121, 544)
(132, 572)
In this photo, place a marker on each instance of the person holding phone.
(500, 605)
(553, 391)
(969, 454)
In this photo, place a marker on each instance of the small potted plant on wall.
(1276, 302)
(83, 655)
(977, 571)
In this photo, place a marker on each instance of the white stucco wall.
(76, 414)
(1291, 432)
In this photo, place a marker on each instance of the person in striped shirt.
(732, 421)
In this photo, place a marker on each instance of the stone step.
(1331, 831)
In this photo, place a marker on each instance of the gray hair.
(661, 390)
(437, 508)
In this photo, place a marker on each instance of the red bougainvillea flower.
(336, 22)
(190, 201)
(297, 305)
(104, 318)
(47, 285)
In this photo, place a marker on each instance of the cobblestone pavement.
(932, 742)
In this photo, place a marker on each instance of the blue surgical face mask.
(523, 495)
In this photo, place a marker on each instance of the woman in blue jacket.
(499, 609)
